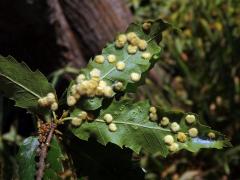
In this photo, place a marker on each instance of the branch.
(64, 35)
(43, 152)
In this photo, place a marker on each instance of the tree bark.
(96, 22)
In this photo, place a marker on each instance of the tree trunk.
(49, 34)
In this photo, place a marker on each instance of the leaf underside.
(134, 62)
(136, 131)
(22, 85)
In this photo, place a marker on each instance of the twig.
(43, 153)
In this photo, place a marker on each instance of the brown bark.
(96, 22)
(65, 37)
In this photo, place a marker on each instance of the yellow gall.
(193, 132)
(153, 109)
(175, 127)
(112, 127)
(168, 139)
(77, 95)
(190, 118)
(99, 59)
(173, 147)
(135, 76)
(108, 118)
(51, 97)
(146, 26)
(120, 65)
(76, 121)
(120, 40)
(132, 49)
(95, 73)
(71, 101)
(108, 92)
(102, 83)
(153, 116)
(142, 44)
(111, 58)
(118, 86)
(211, 135)
(82, 115)
(131, 35)
(54, 106)
(181, 137)
(164, 121)
(146, 55)
(80, 78)
(43, 102)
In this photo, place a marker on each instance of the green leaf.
(26, 158)
(27, 164)
(136, 131)
(54, 161)
(22, 85)
(133, 62)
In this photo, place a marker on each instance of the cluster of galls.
(109, 120)
(134, 43)
(91, 87)
(175, 128)
(49, 101)
(82, 116)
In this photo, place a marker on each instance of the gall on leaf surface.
(136, 131)
(134, 63)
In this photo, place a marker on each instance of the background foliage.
(200, 73)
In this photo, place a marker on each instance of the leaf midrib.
(135, 124)
(22, 86)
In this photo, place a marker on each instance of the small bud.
(181, 137)
(120, 65)
(118, 86)
(80, 78)
(193, 132)
(111, 58)
(168, 139)
(108, 92)
(190, 119)
(142, 44)
(153, 109)
(95, 73)
(135, 77)
(108, 118)
(131, 49)
(54, 106)
(175, 127)
(51, 97)
(76, 121)
(164, 121)
(146, 55)
(153, 116)
(99, 59)
(173, 147)
(82, 115)
(71, 101)
(211, 135)
(112, 127)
